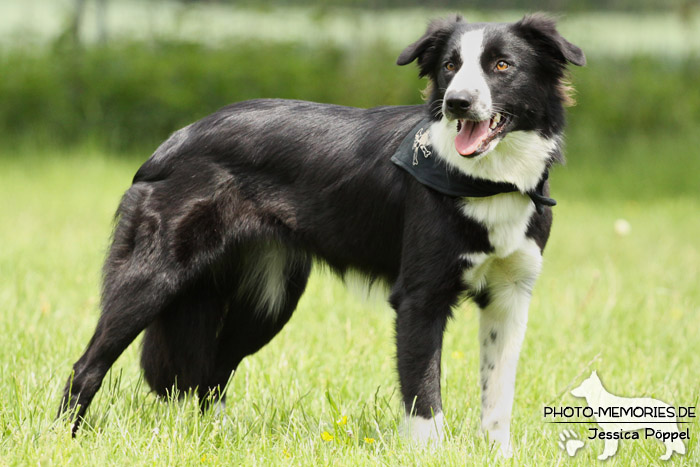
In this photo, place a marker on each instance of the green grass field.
(325, 391)
(626, 306)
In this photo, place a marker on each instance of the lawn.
(325, 390)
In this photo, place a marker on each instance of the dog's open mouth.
(473, 138)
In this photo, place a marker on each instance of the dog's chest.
(506, 218)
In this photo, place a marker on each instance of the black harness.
(415, 156)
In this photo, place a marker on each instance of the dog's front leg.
(503, 320)
(419, 328)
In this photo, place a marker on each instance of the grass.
(627, 306)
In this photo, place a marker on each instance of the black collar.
(416, 156)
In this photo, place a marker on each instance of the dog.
(214, 240)
(614, 425)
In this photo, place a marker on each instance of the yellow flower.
(286, 453)
(325, 436)
(204, 458)
(343, 420)
(457, 355)
(369, 440)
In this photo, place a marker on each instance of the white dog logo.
(621, 417)
(421, 142)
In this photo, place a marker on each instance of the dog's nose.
(461, 104)
(458, 103)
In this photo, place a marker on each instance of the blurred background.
(89, 89)
(121, 75)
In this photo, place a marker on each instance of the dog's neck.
(521, 158)
(417, 155)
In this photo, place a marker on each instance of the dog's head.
(588, 386)
(490, 79)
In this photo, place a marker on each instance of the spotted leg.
(503, 320)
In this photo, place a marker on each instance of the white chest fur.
(519, 158)
(506, 218)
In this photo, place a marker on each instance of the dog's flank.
(214, 241)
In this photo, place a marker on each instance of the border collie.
(215, 239)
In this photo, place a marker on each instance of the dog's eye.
(449, 66)
(502, 65)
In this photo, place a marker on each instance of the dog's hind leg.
(229, 313)
(129, 305)
(272, 280)
(180, 345)
(139, 281)
(503, 319)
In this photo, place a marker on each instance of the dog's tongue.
(470, 136)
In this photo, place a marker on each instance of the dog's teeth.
(494, 121)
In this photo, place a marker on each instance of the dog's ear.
(427, 48)
(541, 30)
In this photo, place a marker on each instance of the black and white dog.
(215, 239)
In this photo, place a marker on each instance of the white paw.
(501, 439)
(423, 430)
(569, 442)
(505, 450)
(220, 409)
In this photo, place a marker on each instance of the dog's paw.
(500, 440)
(505, 450)
(422, 431)
(569, 442)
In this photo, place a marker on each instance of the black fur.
(307, 181)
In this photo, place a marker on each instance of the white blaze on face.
(470, 77)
